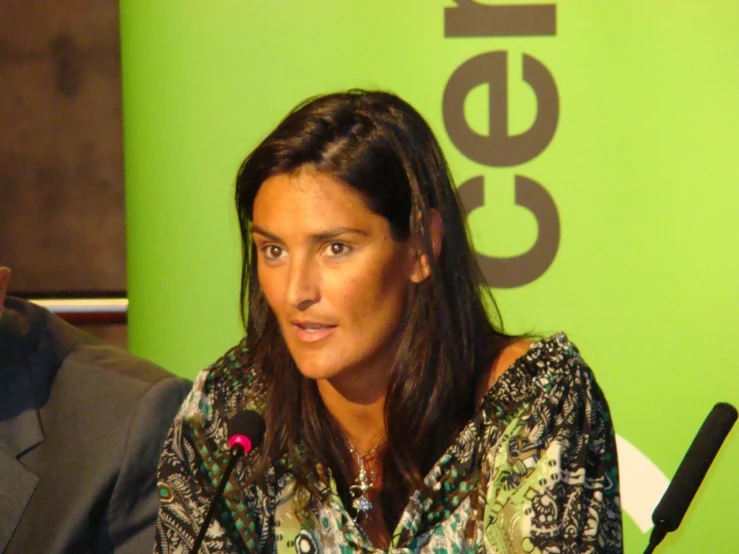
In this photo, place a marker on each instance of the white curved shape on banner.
(642, 483)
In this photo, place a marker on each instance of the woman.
(398, 416)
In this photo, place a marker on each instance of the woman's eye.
(272, 252)
(337, 248)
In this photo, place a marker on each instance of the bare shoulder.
(506, 358)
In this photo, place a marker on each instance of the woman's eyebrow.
(316, 237)
(333, 233)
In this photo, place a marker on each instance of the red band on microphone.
(242, 440)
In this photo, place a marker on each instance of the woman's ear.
(421, 268)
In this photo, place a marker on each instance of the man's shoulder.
(119, 380)
(71, 355)
(105, 362)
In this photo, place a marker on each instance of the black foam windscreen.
(248, 423)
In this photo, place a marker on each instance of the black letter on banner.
(524, 268)
(469, 19)
(499, 148)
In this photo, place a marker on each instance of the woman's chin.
(318, 371)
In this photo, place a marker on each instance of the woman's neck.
(359, 410)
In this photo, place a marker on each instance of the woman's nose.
(302, 287)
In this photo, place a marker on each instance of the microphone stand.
(236, 451)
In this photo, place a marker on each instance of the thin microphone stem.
(658, 533)
(236, 451)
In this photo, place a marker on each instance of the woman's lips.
(313, 332)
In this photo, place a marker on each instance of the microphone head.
(246, 429)
(689, 475)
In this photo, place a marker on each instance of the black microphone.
(245, 431)
(679, 494)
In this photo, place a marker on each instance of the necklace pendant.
(362, 505)
(364, 482)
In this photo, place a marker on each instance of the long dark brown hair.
(380, 146)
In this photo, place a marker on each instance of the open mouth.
(313, 332)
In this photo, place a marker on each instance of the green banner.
(594, 146)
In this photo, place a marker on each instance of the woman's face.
(333, 275)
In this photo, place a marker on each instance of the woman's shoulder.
(544, 421)
(507, 358)
(225, 387)
(529, 369)
(548, 393)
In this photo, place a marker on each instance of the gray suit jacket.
(82, 424)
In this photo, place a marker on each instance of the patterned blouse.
(534, 470)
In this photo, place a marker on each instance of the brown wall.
(61, 176)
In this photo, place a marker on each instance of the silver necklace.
(363, 483)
